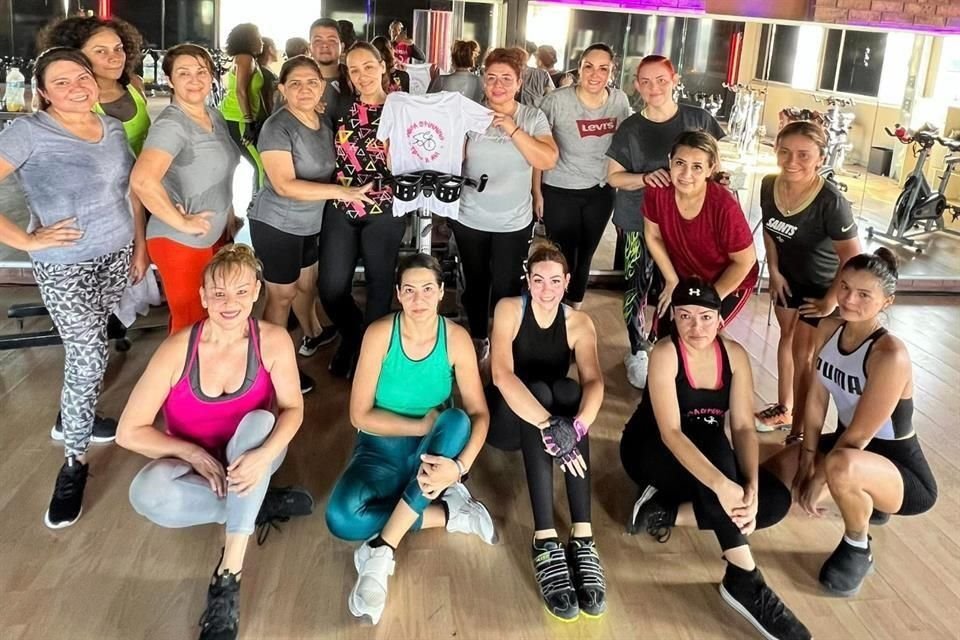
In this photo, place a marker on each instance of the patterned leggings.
(643, 283)
(80, 298)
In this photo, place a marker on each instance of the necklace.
(789, 206)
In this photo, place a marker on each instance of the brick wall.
(925, 14)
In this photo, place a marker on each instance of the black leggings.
(575, 220)
(648, 461)
(492, 270)
(509, 432)
(375, 238)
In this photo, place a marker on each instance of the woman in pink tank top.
(229, 391)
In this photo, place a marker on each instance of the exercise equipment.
(919, 208)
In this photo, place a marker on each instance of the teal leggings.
(383, 471)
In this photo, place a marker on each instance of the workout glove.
(561, 436)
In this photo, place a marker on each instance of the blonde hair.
(230, 258)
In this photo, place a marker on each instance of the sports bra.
(410, 387)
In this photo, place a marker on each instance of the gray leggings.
(169, 492)
(80, 298)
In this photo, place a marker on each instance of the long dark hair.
(366, 46)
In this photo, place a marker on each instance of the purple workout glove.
(561, 436)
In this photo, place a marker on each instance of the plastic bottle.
(149, 69)
(14, 95)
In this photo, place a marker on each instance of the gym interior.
(883, 79)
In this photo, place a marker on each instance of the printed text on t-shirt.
(426, 140)
(599, 128)
(781, 229)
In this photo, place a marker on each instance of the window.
(778, 49)
(853, 62)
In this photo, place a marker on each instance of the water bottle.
(34, 96)
(149, 69)
(14, 95)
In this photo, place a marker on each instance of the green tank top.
(137, 127)
(230, 107)
(412, 388)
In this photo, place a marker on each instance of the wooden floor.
(115, 576)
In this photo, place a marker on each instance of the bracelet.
(460, 468)
(809, 450)
(515, 131)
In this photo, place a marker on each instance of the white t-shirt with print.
(428, 132)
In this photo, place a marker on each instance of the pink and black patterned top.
(361, 158)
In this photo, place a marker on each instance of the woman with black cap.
(675, 448)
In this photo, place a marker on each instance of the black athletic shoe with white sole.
(748, 594)
(588, 578)
(650, 516)
(66, 505)
(221, 620)
(307, 384)
(845, 570)
(553, 578)
(279, 505)
(309, 346)
(104, 430)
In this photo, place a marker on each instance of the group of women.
(226, 383)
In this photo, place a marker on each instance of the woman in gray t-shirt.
(74, 168)
(184, 176)
(493, 227)
(296, 147)
(575, 200)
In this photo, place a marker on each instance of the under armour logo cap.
(695, 292)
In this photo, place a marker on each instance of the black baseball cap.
(696, 292)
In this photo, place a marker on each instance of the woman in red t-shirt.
(695, 227)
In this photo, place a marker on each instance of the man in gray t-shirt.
(313, 159)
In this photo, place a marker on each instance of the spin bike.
(919, 209)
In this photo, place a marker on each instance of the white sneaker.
(369, 596)
(636, 364)
(468, 515)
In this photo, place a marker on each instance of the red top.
(702, 246)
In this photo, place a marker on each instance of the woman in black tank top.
(675, 448)
(537, 408)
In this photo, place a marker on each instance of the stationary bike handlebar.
(925, 138)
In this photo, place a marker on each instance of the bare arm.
(279, 168)
(658, 250)
(538, 184)
(742, 430)
(506, 322)
(245, 66)
(588, 367)
(146, 183)
(540, 151)
(363, 415)
(281, 361)
(818, 398)
(464, 360)
(619, 177)
(741, 262)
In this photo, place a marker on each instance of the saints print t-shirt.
(428, 132)
(805, 239)
(583, 136)
(361, 158)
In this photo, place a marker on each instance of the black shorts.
(283, 254)
(798, 293)
(919, 485)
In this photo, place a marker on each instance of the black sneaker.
(307, 383)
(344, 361)
(879, 518)
(221, 620)
(279, 505)
(748, 594)
(104, 429)
(588, 579)
(66, 505)
(845, 570)
(309, 346)
(553, 577)
(650, 516)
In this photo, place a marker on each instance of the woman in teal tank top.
(242, 106)
(410, 450)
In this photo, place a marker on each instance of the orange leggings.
(181, 272)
